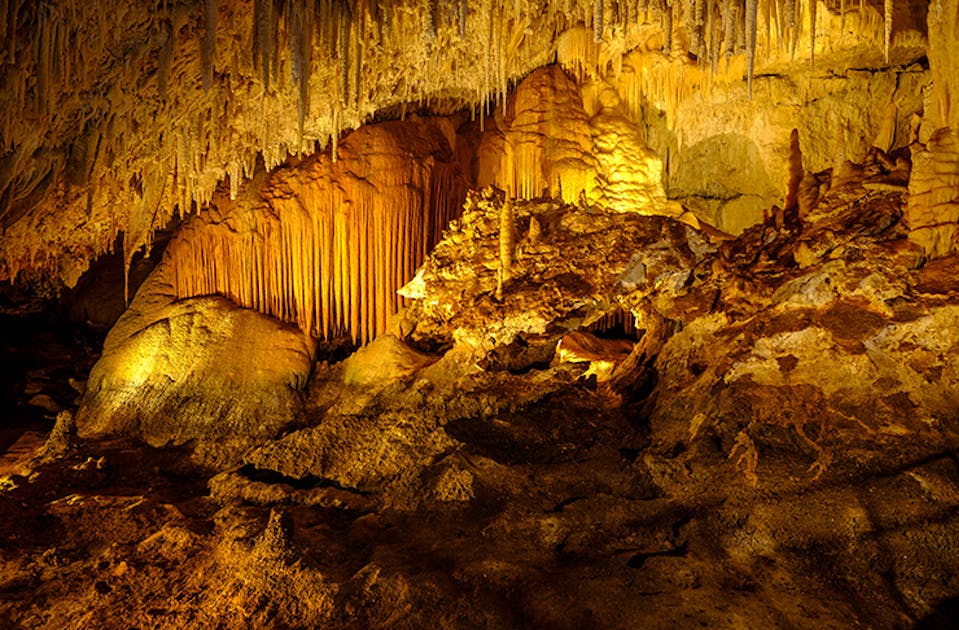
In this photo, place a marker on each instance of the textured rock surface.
(756, 431)
(729, 154)
(576, 266)
(934, 189)
(176, 371)
(325, 244)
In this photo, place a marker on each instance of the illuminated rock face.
(583, 265)
(175, 371)
(115, 120)
(323, 245)
(326, 244)
(772, 443)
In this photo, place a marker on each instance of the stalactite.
(263, 38)
(751, 8)
(739, 26)
(343, 42)
(429, 21)
(335, 135)
(42, 56)
(792, 23)
(729, 43)
(209, 42)
(164, 58)
(667, 11)
(598, 18)
(696, 28)
(712, 42)
(274, 59)
(330, 257)
(202, 139)
(775, 26)
(357, 62)
(887, 28)
(812, 32)
(301, 59)
(4, 20)
(766, 18)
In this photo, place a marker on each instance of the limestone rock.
(602, 355)
(327, 243)
(200, 369)
(585, 260)
(542, 144)
(382, 361)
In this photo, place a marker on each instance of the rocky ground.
(778, 449)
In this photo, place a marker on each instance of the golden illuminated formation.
(158, 103)
(327, 244)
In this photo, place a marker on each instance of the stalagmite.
(535, 232)
(506, 245)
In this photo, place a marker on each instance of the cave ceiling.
(117, 117)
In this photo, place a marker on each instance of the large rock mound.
(201, 369)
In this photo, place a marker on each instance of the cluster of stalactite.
(324, 246)
(115, 116)
(617, 322)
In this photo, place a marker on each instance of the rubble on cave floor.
(779, 448)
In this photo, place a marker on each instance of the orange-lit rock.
(934, 188)
(198, 370)
(114, 121)
(324, 243)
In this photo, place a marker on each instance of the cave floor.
(567, 526)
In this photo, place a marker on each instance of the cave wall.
(728, 155)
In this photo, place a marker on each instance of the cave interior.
(502, 314)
